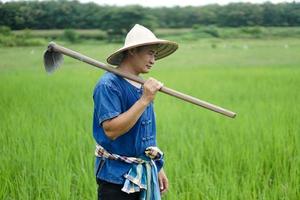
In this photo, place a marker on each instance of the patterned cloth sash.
(143, 175)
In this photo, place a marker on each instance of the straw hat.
(141, 36)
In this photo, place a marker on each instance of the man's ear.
(132, 51)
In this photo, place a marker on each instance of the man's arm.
(121, 124)
(163, 181)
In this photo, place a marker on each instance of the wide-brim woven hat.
(141, 36)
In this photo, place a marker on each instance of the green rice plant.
(46, 121)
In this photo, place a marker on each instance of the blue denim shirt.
(114, 95)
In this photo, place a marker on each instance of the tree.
(118, 21)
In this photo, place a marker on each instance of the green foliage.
(212, 30)
(33, 42)
(46, 131)
(5, 30)
(85, 34)
(8, 39)
(71, 35)
(12, 41)
(198, 32)
(205, 31)
(284, 32)
(252, 30)
(92, 34)
(256, 32)
(117, 20)
(244, 32)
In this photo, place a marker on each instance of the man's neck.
(127, 68)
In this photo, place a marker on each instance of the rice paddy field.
(46, 143)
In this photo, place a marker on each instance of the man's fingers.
(161, 184)
(160, 84)
(165, 185)
(153, 84)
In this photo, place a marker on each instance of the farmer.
(128, 164)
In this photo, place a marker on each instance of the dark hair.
(126, 53)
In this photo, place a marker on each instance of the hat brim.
(164, 49)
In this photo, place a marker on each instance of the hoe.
(53, 58)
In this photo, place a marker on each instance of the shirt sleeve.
(159, 164)
(107, 101)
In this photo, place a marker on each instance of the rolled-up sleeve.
(107, 100)
(159, 164)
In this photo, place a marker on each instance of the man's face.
(144, 58)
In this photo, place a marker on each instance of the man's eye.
(152, 53)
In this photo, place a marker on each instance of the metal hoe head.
(52, 59)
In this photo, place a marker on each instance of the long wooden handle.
(57, 48)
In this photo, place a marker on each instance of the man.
(128, 163)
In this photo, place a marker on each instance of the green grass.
(179, 33)
(56, 33)
(46, 122)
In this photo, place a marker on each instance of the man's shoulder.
(109, 79)
(108, 76)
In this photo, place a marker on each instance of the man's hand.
(163, 181)
(151, 86)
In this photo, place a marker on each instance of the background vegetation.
(75, 15)
(46, 121)
(29, 37)
(244, 57)
(73, 21)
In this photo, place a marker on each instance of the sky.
(170, 3)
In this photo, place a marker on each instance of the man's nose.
(152, 60)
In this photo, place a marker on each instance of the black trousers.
(110, 191)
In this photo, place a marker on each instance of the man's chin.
(146, 71)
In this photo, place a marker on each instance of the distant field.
(47, 149)
(54, 33)
(202, 32)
